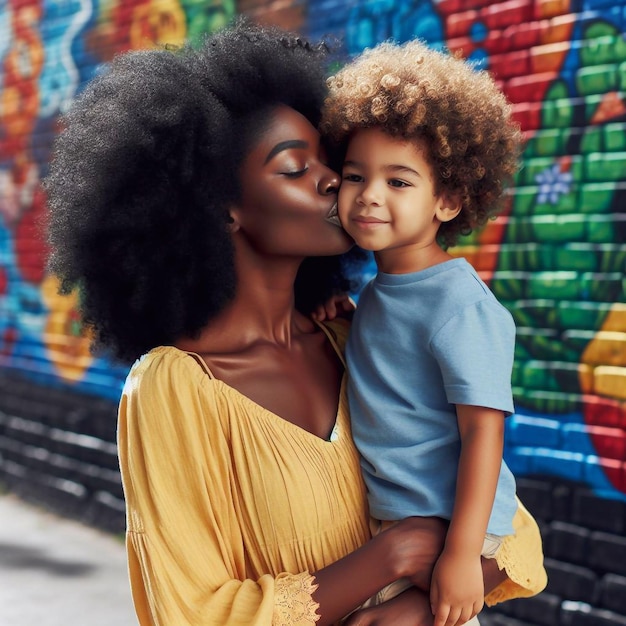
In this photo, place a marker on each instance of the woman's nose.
(329, 182)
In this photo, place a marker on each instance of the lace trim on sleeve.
(293, 601)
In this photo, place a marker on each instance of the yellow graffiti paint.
(157, 23)
(67, 343)
(606, 354)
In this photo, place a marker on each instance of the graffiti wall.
(48, 50)
(558, 256)
(556, 259)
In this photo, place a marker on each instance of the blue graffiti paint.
(60, 78)
(372, 21)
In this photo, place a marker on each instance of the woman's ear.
(448, 208)
(232, 223)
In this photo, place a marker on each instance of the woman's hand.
(415, 544)
(410, 608)
(336, 306)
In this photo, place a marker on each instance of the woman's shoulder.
(167, 383)
(165, 368)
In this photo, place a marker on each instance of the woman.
(185, 193)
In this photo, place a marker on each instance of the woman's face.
(288, 203)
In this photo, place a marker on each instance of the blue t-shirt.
(419, 344)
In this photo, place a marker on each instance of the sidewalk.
(57, 572)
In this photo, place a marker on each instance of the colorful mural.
(556, 258)
(49, 49)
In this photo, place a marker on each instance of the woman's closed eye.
(296, 173)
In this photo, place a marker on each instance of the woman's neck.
(262, 311)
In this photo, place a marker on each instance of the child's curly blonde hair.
(455, 111)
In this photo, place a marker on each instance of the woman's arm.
(410, 549)
(407, 549)
(186, 558)
(412, 606)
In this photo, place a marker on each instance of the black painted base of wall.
(585, 557)
(57, 449)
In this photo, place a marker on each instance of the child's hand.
(457, 591)
(342, 306)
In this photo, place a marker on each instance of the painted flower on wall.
(553, 183)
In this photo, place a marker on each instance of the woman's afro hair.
(454, 111)
(144, 169)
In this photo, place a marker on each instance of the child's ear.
(448, 208)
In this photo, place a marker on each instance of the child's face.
(387, 197)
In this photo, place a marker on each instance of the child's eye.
(352, 178)
(394, 182)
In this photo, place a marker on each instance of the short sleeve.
(475, 350)
(187, 562)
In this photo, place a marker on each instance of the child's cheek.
(343, 204)
(343, 213)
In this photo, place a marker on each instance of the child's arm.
(457, 590)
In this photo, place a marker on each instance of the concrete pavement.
(57, 572)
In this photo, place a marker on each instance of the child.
(429, 145)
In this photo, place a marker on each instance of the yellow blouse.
(229, 507)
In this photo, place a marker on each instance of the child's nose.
(370, 194)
